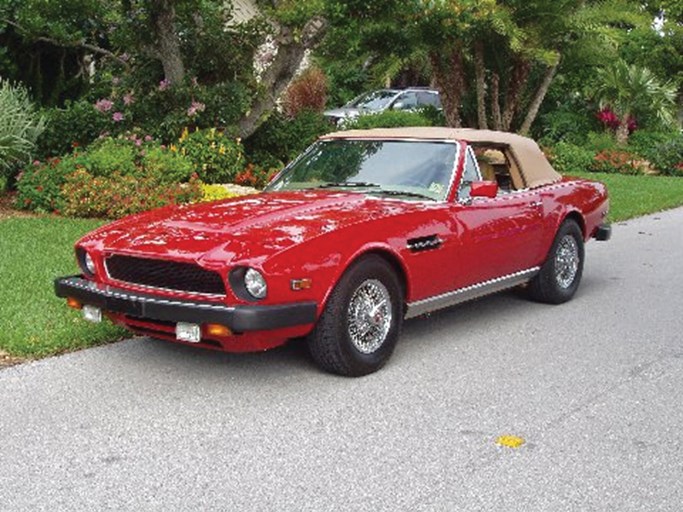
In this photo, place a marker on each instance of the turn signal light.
(217, 330)
(301, 284)
(73, 303)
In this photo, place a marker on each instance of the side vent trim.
(424, 243)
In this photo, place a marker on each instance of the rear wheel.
(560, 275)
(360, 325)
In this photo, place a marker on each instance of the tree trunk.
(622, 130)
(538, 99)
(290, 53)
(480, 73)
(450, 81)
(167, 40)
(495, 104)
(516, 85)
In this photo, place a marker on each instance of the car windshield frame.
(440, 172)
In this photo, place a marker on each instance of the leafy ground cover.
(35, 323)
(36, 249)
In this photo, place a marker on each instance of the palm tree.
(630, 90)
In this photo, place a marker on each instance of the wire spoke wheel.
(369, 316)
(566, 261)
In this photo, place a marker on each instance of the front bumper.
(156, 307)
(603, 232)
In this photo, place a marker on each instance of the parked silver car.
(385, 99)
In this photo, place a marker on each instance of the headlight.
(255, 283)
(85, 261)
(89, 263)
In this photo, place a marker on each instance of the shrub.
(130, 158)
(20, 126)
(646, 142)
(39, 185)
(564, 125)
(280, 139)
(307, 92)
(568, 158)
(118, 195)
(388, 119)
(600, 141)
(166, 166)
(617, 161)
(76, 125)
(668, 157)
(218, 158)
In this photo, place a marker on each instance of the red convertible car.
(363, 230)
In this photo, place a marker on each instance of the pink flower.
(104, 105)
(195, 107)
(148, 138)
(128, 99)
(164, 84)
(138, 142)
(117, 117)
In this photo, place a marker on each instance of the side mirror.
(484, 189)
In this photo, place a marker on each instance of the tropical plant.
(631, 92)
(20, 126)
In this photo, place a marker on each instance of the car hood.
(251, 228)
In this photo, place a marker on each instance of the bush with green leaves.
(20, 126)
(218, 157)
(668, 157)
(281, 139)
(75, 125)
(128, 158)
(568, 158)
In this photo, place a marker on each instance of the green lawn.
(632, 196)
(35, 250)
(35, 323)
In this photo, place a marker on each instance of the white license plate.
(92, 313)
(192, 333)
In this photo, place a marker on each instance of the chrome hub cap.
(369, 316)
(566, 261)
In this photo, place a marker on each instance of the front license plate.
(92, 314)
(192, 333)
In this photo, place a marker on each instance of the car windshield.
(414, 170)
(375, 100)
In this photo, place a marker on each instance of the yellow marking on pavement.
(510, 441)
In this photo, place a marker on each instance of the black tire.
(332, 344)
(559, 278)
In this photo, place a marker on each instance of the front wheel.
(560, 275)
(360, 325)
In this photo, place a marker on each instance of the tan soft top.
(535, 168)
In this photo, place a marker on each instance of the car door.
(499, 236)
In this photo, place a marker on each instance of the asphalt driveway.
(593, 387)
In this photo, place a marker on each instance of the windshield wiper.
(404, 193)
(349, 184)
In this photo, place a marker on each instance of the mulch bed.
(7, 210)
(7, 360)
